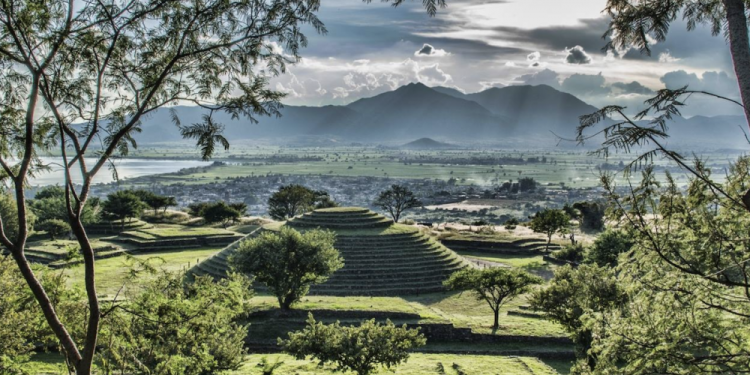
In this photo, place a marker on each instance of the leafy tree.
(80, 76)
(571, 253)
(54, 228)
(608, 246)
(167, 327)
(220, 212)
(396, 200)
(292, 200)
(155, 201)
(549, 222)
(323, 200)
(18, 314)
(240, 207)
(288, 262)
(636, 24)
(493, 285)
(9, 215)
(576, 294)
(591, 215)
(197, 209)
(511, 224)
(526, 184)
(361, 349)
(122, 205)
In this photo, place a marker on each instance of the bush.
(54, 227)
(360, 349)
(571, 253)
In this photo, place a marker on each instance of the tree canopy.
(396, 200)
(289, 262)
(292, 200)
(495, 286)
(549, 222)
(359, 348)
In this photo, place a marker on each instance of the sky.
(473, 45)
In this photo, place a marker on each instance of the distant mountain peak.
(426, 144)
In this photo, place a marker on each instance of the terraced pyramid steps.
(380, 258)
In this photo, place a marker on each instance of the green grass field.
(418, 364)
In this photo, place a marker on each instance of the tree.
(396, 200)
(292, 200)
(122, 205)
(493, 285)
(526, 184)
(154, 201)
(360, 349)
(289, 262)
(511, 224)
(220, 212)
(549, 222)
(80, 76)
(166, 326)
(608, 246)
(591, 215)
(19, 316)
(240, 207)
(636, 24)
(197, 209)
(54, 228)
(576, 294)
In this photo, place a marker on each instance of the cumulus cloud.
(430, 51)
(711, 81)
(490, 84)
(510, 64)
(666, 57)
(545, 77)
(577, 55)
(633, 87)
(300, 88)
(585, 84)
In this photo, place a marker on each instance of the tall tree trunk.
(92, 328)
(740, 49)
(496, 325)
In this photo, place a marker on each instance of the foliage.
(79, 76)
(122, 205)
(511, 224)
(166, 326)
(54, 227)
(396, 200)
(591, 215)
(549, 222)
(686, 278)
(493, 285)
(18, 315)
(608, 246)
(288, 262)
(575, 295)
(526, 184)
(155, 201)
(571, 253)
(360, 349)
(49, 204)
(220, 212)
(9, 215)
(292, 200)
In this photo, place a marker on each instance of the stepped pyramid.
(380, 258)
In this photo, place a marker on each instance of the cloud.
(633, 87)
(533, 58)
(490, 84)
(510, 64)
(300, 88)
(666, 57)
(428, 50)
(543, 77)
(577, 55)
(715, 82)
(585, 84)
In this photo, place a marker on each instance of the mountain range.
(511, 114)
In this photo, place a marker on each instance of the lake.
(126, 168)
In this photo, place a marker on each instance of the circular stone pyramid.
(380, 258)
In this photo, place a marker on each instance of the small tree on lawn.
(360, 349)
(122, 205)
(54, 227)
(155, 201)
(494, 285)
(220, 212)
(549, 222)
(290, 201)
(396, 200)
(511, 224)
(289, 262)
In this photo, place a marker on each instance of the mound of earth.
(381, 258)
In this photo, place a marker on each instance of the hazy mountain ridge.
(413, 111)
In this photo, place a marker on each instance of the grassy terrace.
(418, 364)
(166, 231)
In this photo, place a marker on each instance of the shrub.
(360, 349)
(571, 253)
(54, 228)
